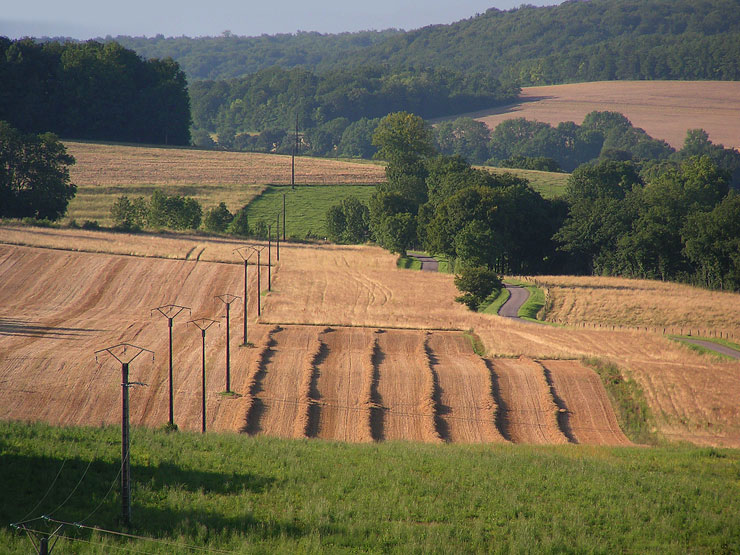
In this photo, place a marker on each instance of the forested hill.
(230, 56)
(575, 41)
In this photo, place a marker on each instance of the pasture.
(240, 494)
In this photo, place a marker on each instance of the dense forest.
(575, 41)
(277, 98)
(92, 91)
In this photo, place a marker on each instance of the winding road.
(518, 296)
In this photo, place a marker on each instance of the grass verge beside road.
(246, 495)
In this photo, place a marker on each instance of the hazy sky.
(84, 19)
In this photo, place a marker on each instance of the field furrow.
(466, 408)
(404, 387)
(527, 410)
(590, 416)
(342, 385)
(280, 394)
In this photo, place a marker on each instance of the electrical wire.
(142, 538)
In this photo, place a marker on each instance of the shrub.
(476, 283)
(239, 224)
(218, 218)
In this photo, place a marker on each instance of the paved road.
(715, 347)
(518, 297)
(428, 264)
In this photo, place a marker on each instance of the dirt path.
(466, 408)
(527, 410)
(730, 352)
(403, 387)
(518, 296)
(279, 407)
(588, 417)
(341, 384)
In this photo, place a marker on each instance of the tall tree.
(34, 175)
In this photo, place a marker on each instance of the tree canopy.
(34, 175)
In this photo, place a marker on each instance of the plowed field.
(588, 416)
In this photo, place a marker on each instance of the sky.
(85, 19)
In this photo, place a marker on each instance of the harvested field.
(344, 384)
(633, 302)
(665, 109)
(466, 405)
(120, 165)
(693, 397)
(281, 393)
(104, 172)
(589, 417)
(60, 307)
(405, 388)
(527, 409)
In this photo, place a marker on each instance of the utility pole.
(203, 324)
(258, 250)
(277, 237)
(126, 355)
(227, 299)
(269, 257)
(292, 158)
(242, 252)
(283, 217)
(171, 311)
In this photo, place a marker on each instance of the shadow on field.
(166, 499)
(22, 328)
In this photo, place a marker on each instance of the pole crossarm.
(241, 251)
(227, 298)
(123, 357)
(171, 311)
(203, 323)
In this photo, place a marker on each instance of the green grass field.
(244, 495)
(548, 184)
(306, 206)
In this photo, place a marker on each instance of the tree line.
(277, 100)
(571, 42)
(676, 220)
(93, 91)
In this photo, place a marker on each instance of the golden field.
(694, 397)
(665, 109)
(104, 172)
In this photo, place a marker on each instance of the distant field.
(305, 207)
(104, 172)
(548, 184)
(665, 109)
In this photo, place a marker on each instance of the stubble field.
(665, 109)
(374, 351)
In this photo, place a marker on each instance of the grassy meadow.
(306, 206)
(548, 184)
(240, 494)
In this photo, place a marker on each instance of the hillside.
(575, 41)
(665, 109)
(59, 306)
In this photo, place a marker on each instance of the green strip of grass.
(704, 350)
(408, 263)
(495, 301)
(259, 495)
(306, 206)
(634, 414)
